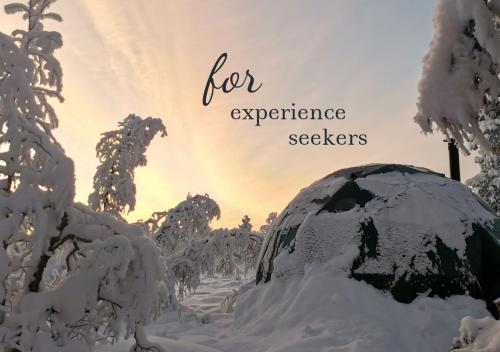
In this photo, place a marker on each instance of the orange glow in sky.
(153, 58)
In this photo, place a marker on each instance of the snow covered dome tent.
(410, 231)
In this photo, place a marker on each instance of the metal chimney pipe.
(454, 160)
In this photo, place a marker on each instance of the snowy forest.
(379, 257)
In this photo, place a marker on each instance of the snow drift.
(325, 311)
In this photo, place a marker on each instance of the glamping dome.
(411, 232)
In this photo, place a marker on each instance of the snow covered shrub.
(191, 248)
(250, 254)
(185, 269)
(128, 273)
(225, 243)
(477, 335)
(189, 219)
(107, 273)
(120, 152)
(221, 251)
(460, 70)
(112, 278)
(247, 244)
(487, 182)
(235, 249)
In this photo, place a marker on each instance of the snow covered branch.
(460, 71)
(120, 152)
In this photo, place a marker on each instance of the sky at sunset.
(153, 58)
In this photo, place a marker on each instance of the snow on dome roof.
(413, 232)
(372, 169)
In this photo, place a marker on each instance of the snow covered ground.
(322, 311)
(202, 332)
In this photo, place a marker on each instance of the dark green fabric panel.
(483, 252)
(346, 198)
(451, 276)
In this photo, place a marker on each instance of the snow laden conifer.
(246, 224)
(36, 177)
(487, 182)
(460, 71)
(120, 152)
(108, 273)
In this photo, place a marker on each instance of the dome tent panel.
(415, 231)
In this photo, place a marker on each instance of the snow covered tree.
(249, 242)
(112, 278)
(189, 219)
(120, 152)
(111, 275)
(251, 252)
(36, 177)
(269, 221)
(30, 75)
(227, 252)
(193, 249)
(460, 71)
(487, 182)
(245, 224)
